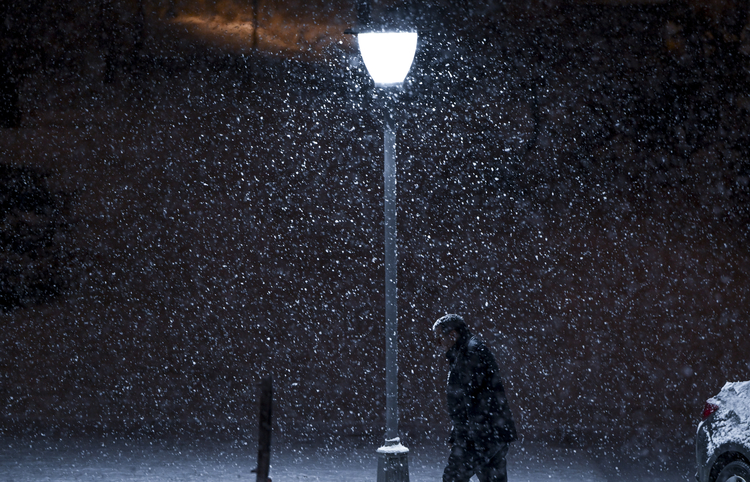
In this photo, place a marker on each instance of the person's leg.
(460, 465)
(494, 470)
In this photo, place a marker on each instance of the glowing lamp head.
(388, 55)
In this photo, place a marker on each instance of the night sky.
(184, 213)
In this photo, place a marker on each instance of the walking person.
(482, 422)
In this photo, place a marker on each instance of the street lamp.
(388, 56)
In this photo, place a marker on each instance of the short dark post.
(264, 432)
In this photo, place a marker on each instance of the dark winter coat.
(477, 404)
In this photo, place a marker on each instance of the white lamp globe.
(388, 55)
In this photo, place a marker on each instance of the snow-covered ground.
(144, 460)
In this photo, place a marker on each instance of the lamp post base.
(393, 464)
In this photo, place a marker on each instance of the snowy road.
(108, 460)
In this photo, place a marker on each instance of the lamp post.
(388, 57)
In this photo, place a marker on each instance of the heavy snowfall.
(191, 198)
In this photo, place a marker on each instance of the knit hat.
(449, 323)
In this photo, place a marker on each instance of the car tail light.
(708, 409)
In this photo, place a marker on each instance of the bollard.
(264, 430)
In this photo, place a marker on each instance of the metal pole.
(393, 464)
(391, 286)
(363, 13)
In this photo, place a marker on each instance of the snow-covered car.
(722, 443)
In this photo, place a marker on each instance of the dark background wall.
(572, 178)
